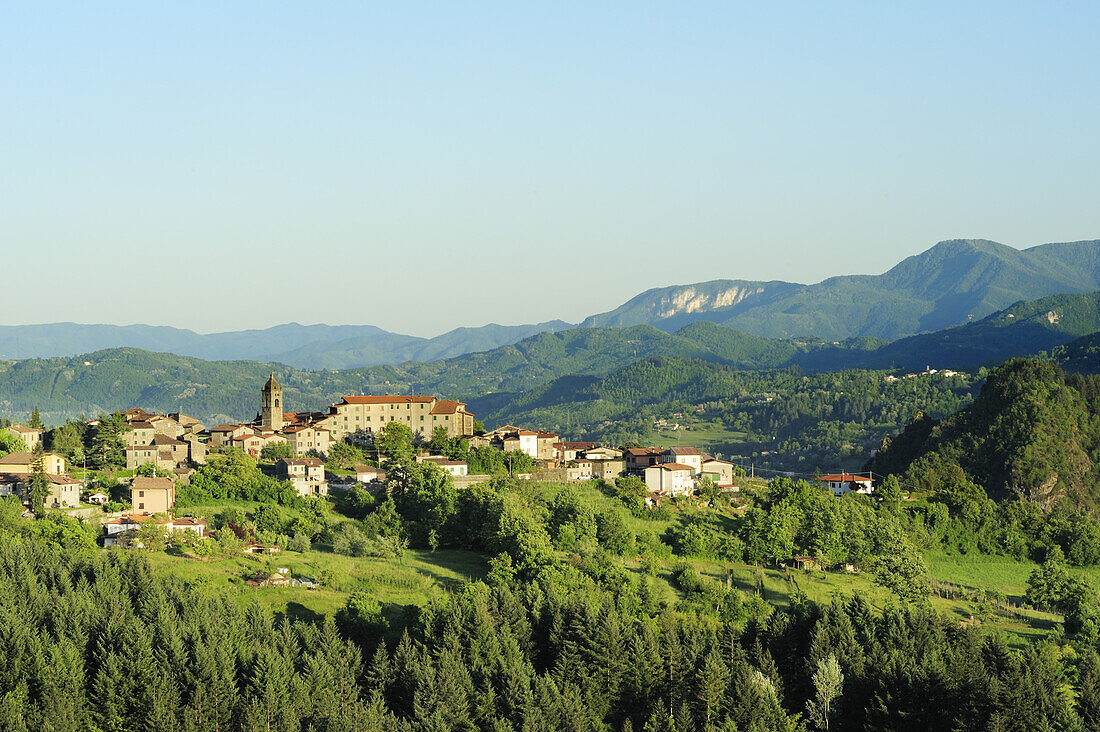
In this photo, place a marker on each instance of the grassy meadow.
(418, 577)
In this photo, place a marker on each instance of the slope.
(1023, 329)
(1032, 433)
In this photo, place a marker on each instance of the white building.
(673, 479)
(841, 483)
(689, 456)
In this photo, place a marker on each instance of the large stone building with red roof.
(421, 414)
(307, 432)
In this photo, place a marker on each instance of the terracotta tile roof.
(643, 451)
(684, 450)
(166, 440)
(447, 406)
(394, 399)
(671, 466)
(22, 458)
(226, 427)
(187, 521)
(844, 478)
(312, 462)
(129, 518)
(21, 428)
(152, 484)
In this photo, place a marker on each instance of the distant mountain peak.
(953, 282)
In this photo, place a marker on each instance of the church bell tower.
(272, 401)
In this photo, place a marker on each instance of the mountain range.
(502, 379)
(952, 283)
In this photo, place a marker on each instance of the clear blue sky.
(225, 165)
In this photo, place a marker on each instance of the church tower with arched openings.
(272, 409)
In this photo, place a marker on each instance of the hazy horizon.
(575, 321)
(448, 166)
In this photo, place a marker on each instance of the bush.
(298, 543)
(687, 579)
(349, 541)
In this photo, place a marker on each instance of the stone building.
(271, 401)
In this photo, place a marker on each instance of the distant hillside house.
(719, 471)
(565, 451)
(153, 495)
(118, 528)
(671, 479)
(602, 453)
(369, 474)
(637, 459)
(31, 435)
(307, 475)
(578, 470)
(136, 414)
(224, 434)
(22, 463)
(690, 456)
(453, 467)
(841, 483)
(303, 438)
(140, 433)
(251, 444)
(64, 492)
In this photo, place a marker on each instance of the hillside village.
(162, 451)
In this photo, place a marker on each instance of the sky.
(421, 166)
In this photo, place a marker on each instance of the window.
(141, 505)
(141, 494)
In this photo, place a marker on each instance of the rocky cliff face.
(679, 302)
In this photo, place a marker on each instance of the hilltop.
(1030, 433)
(951, 283)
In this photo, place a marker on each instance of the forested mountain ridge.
(1032, 432)
(302, 346)
(1025, 328)
(120, 378)
(806, 421)
(947, 285)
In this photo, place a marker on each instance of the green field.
(413, 579)
(418, 577)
